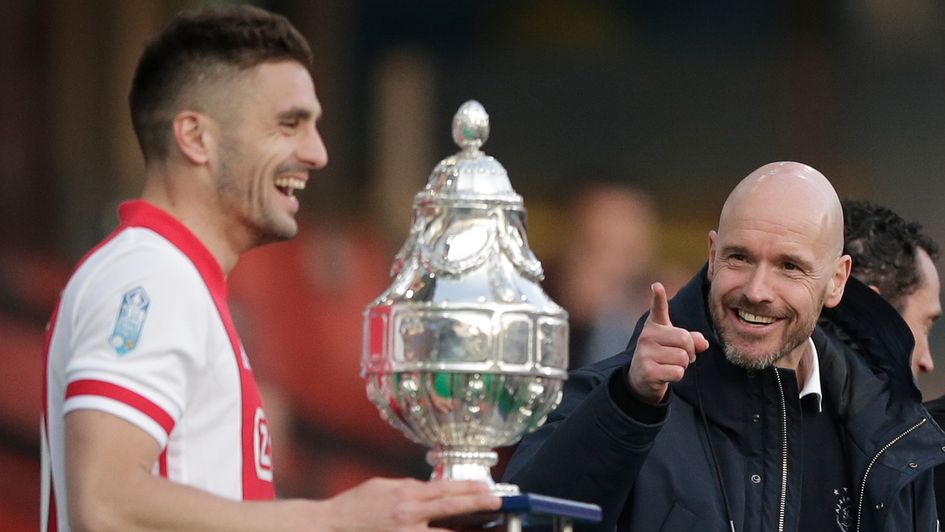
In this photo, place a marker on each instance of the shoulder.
(135, 267)
(936, 408)
(132, 256)
(869, 331)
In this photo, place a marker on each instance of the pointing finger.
(659, 306)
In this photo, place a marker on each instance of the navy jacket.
(936, 408)
(669, 475)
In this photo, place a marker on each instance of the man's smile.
(289, 184)
(755, 319)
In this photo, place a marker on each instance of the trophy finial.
(471, 126)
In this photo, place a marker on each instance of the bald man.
(730, 409)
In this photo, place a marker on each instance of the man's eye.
(790, 266)
(291, 124)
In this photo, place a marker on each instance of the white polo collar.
(812, 383)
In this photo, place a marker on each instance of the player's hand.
(663, 352)
(408, 504)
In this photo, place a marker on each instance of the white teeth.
(290, 183)
(754, 318)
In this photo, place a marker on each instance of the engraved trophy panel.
(464, 352)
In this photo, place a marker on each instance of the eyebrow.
(732, 249)
(295, 113)
(783, 257)
(794, 259)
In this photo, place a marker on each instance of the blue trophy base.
(527, 510)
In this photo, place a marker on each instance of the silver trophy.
(464, 352)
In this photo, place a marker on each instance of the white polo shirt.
(142, 331)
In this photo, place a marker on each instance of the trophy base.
(526, 510)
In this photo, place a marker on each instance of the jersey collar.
(140, 213)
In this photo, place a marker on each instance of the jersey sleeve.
(138, 340)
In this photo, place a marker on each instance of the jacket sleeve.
(589, 450)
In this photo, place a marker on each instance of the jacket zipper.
(859, 510)
(784, 454)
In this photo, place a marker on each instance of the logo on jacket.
(262, 446)
(131, 315)
(843, 509)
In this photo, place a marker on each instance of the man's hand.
(407, 504)
(663, 352)
(111, 487)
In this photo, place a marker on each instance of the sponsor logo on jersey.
(262, 446)
(131, 315)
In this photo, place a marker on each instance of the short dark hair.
(204, 46)
(883, 247)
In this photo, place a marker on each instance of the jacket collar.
(852, 381)
(871, 327)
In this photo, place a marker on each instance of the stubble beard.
(742, 359)
(748, 360)
(259, 222)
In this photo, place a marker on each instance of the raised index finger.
(659, 305)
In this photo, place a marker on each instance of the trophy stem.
(467, 464)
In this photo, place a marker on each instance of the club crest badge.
(131, 315)
(843, 509)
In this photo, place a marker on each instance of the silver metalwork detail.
(464, 352)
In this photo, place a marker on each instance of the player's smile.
(287, 184)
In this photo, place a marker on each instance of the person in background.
(152, 417)
(896, 259)
(603, 276)
(731, 411)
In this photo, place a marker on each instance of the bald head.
(774, 263)
(791, 194)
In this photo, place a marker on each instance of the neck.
(798, 360)
(190, 200)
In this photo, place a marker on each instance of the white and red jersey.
(142, 331)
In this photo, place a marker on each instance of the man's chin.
(751, 360)
(277, 234)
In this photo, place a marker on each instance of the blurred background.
(622, 123)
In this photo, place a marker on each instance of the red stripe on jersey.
(255, 487)
(122, 395)
(162, 463)
(53, 524)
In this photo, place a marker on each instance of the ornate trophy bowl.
(464, 352)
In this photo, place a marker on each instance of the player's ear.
(194, 136)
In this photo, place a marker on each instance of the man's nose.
(758, 287)
(312, 150)
(922, 361)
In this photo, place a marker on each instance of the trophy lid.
(470, 174)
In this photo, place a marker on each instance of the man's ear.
(193, 136)
(838, 281)
(713, 236)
